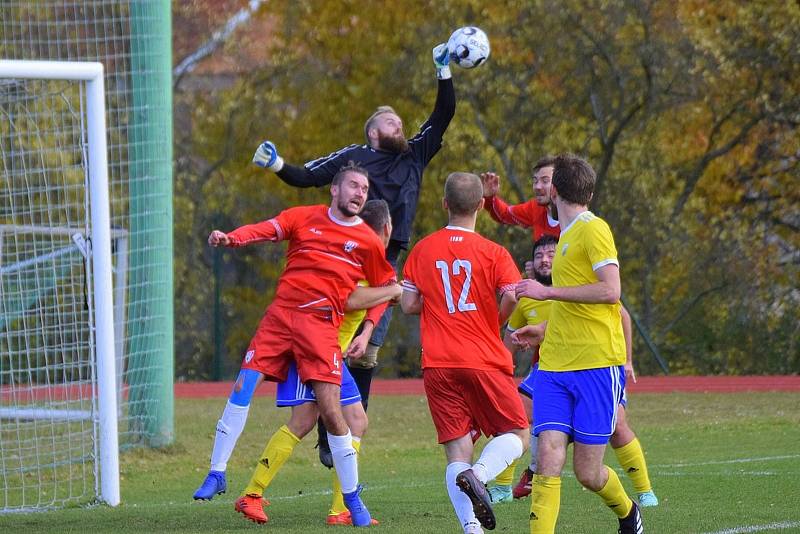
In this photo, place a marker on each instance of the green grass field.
(722, 463)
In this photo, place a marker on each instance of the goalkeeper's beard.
(392, 143)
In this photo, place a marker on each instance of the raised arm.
(248, 234)
(498, 209)
(316, 173)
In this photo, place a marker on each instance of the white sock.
(229, 428)
(497, 455)
(461, 503)
(534, 452)
(344, 461)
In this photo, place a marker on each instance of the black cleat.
(325, 456)
(481, 503)
(632, 523)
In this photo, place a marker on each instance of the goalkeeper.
(395, 165)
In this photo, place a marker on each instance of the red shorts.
(463, 400)
(310, 338)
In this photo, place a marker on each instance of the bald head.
(463, 193)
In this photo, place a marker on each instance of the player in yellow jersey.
(581, 376)
(301, 399)
(624, 442)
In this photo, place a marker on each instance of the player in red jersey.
(452, 278)
(538, 213)
(330, 250)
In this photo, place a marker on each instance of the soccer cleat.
(344, 518)
(214, 484)
(648, 498)
(358, 512)
(501, 493)
(325, 456)
(632, 523)
(523, 487)
(252, 507)
(476, 491)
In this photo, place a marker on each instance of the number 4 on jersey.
(444, 270)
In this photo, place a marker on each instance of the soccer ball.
(469, 47)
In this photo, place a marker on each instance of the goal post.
(104, 407)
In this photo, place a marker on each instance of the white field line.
(228, 501)
(734, 461)
(783, 525)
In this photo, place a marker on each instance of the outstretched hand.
(218, 239)
(266, 156)
(491, 183)
(441, 60)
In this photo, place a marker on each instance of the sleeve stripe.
(420, 134)
(409, 286)
(278, 230)
(603, 263)
(506, 288)
(313, 164)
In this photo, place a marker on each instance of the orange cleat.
(252, 507)
(344, 518)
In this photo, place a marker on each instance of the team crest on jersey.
(249, 356)
(349, 246)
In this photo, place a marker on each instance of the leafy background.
(688, 111)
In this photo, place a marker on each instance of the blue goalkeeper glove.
(441, 58)
(267, 156)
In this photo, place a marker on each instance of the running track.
(645, 384)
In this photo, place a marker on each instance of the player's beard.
(392, 143)
(344, 207)
(544, 279)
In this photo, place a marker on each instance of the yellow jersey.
(350, 323)
(529, 312)
(582, 336)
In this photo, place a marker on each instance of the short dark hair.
(543, 241)
(376, 214)
(351, 166)
(544, 161)
(573, 179)
(463, 192)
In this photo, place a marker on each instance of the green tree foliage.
(688, 111)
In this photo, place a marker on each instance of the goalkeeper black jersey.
(395, 178)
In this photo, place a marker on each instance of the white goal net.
(58, 404)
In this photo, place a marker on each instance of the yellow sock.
(277, 451)
(545, 503)
(631, 458)
(613, 494)
(506, 476)
(337, 502)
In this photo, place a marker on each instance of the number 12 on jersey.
(457, 267)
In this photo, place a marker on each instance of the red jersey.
(325, 259)
(528, 214)
(459, 274)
